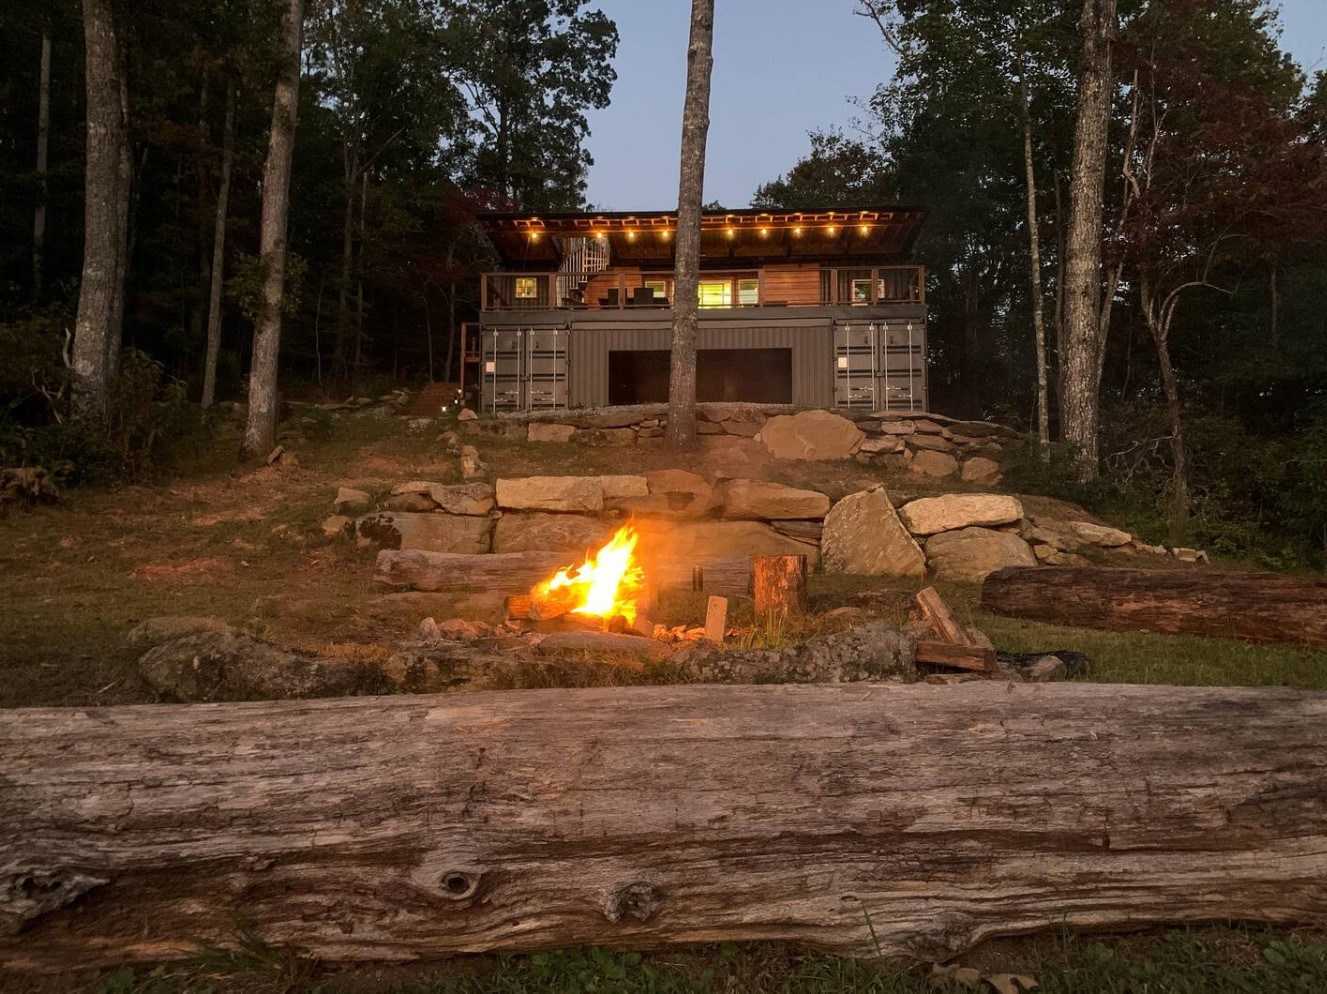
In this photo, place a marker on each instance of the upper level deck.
(749, 259)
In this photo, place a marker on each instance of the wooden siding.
(797, 285)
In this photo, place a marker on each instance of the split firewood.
(938, 615)
(780, 585)
(932, 652)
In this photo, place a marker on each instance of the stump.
(780, 585)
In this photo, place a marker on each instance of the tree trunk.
(1254, 607)
(1080, 366)
(690, 197)
(101, 291)
(43, 147)
(779, 583)
(1158, 316)
(870, 819)
(124, 235)
(219, 252)
(350, 169)
(260, 432)
(198, 317)
(1034, 250)
(1273, 308)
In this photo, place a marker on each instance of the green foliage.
(245, 288)
(149, 420)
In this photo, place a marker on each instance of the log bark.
(1254, 607)
(517, 572)
(961, 656)
(779, 583)
(906, 820)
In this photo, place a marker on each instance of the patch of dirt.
(189, 567)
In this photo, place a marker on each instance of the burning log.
(780, 585)
(905, 820)
(1255, 607)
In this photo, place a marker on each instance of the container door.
(856, 355)
(503, 369)
(546, 368)
(902, 365)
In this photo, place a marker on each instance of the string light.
(599, 235)
(797, 232)
(631, 236)
(764, 232)
(832, 229)
(864, 229)
(731, 233)
(534, 236)
(666, 234)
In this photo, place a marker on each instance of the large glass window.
(527, 288)
(748, 292)
(716, 293)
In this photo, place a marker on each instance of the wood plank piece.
(1254, 607)
(941, 618)
(964, 657)
(716, 619)
(407, 828)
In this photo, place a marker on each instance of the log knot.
(636, 901)
(459, 885)
(28, 894)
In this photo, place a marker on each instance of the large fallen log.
(909, 820)
(1255, 607)
(517, 572)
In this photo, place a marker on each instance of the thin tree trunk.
(1080, 364)
(1059, 283)
(43, 146)
(96, 333)
(695, 128)
(350, 169)
(125, 234)
(359, 283)
(1034, 254)
(201, 179)
(260, 432)
(219, 252)
(1274, 306)
(1158, 323)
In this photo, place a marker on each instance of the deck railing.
(614, 290)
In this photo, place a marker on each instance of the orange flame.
(604, 586)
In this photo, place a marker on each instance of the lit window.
(716, 293)
(660, 288)
(748, 293)
(527, 288)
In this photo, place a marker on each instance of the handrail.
(720, 289)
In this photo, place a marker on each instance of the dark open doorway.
(756, 376)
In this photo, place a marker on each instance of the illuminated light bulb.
(832, 229)
(599, 235)
(631, 236)
(865, 229)
(797, 232)
(534, 236)
(731, 233)
(764, 232)
(666, 234)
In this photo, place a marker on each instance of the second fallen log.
(1254, 607)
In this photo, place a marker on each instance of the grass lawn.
(247, 548)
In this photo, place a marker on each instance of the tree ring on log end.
(458, 885)
(637, 901)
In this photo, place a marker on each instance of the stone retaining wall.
(930, 445)
(955, 536)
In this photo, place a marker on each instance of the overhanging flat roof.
(753, 235)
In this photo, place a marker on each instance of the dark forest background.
(416, 114)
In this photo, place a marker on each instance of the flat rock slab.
(755, 500)
(526, 531)
(949, 512)
(863, 535)
(431, 531)
(463, 498)
(811, 435)
(699, 539)
(551, 493)
(973, 553)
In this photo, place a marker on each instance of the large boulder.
(979, 469)
(432, 531)
(949, 512)
(815, 435)
(938, 465)
(671, 493)
(463, 498)
(758, 501)
(537, 531)
(863, 534)
(551, 493)
(234, 666)
(618, 487)
(971, 553)
(1103, 535)
(154, 631)
(698, 539)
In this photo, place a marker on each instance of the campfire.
(603, 588)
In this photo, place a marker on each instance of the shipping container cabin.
(817, 308)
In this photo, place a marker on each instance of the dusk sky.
(782, 68)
